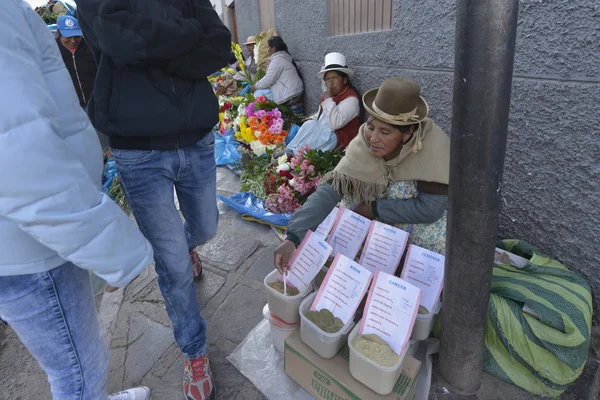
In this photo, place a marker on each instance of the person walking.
(79, 60)
(56, 226)
(152, 98)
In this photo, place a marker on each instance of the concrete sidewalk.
(138, 329)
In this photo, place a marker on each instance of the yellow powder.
(325, 320)
(278, 285)
(375, 349)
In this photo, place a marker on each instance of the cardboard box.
(330, 379)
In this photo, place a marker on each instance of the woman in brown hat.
(396, 171)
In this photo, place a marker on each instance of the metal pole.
(484, 48)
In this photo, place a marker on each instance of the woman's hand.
(282, 255)
(326, 94)
(365, 210)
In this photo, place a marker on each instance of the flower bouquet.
(229, 111)
(295, 180)
(261, 126)
(243, 73)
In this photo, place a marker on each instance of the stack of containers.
(282, 311)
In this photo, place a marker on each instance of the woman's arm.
(313, 212)
(273, 73)
(424, 209)
(338, 115)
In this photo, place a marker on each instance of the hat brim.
(369, 98)
(70, 32)
(347, 71)
(247, 43)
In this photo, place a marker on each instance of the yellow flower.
(246, 134)
(221, 117)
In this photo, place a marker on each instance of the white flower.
(258, 148)
(282, 160)
(291, 182)
(284, 167)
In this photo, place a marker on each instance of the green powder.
(375, 349)
(278, 285)
(325, 320)
(423, 310)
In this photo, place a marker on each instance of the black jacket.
(151, 90)
(82, 68)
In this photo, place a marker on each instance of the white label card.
(308, 260)
(384, 248)
(425, 270)
(348, 233)
(391, 310)
(325, 226)
(343, 288)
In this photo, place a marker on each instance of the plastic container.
(413, 345)
(377, 378)
(279, 329)
(284, 307)
(324, 344)
(424, 324)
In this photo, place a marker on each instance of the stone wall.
(248, 19)
(552, 173)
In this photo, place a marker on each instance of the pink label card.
(348, 233)
(391, 310)
(343, 288)
(325, 226)
(308, 260)
(425, 270)
(384, 248)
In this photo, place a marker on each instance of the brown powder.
(325, 320)
(278, 285)
(375, 349)
(320, 277)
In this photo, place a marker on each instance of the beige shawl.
(362, 177)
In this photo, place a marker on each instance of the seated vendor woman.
(337, 121)
(396, 171)
(283, 81)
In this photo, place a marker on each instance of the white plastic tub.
(279, 329)
(377, 378)
(424, 324)
(285, 307)
(324, 344)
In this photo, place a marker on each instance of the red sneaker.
(197, 265)
(198, 380)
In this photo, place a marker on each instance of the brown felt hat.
(397, 101)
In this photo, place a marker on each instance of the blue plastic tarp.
(110, 171)
(249, 204)
(226, 148)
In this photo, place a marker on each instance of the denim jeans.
(54, 315)
(147, 179)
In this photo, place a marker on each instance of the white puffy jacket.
(51, 208)
(282, 78)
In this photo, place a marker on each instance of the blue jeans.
(147, 178)
(54, 315)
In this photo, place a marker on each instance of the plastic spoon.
(284, 284)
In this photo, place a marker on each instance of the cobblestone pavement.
(138, 330)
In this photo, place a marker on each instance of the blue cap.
(68, 26)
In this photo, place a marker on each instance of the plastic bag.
(110, 171)
(257, 360)
(245, 90)
(226, 149)
(249, 204)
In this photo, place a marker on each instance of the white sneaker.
(138, 393)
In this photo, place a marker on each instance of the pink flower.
(276, 113)
(261, 114)
(250, 110)
(261, 100)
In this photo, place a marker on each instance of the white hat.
(250, 40)
(335, 62)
